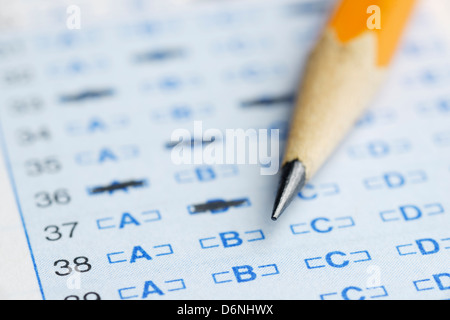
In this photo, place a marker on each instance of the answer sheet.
(94, 207)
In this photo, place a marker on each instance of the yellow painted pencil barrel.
(342, 75)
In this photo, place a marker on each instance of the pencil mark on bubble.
(269, 101)
(117, 185)
(92, 94)
(218, 206)
(159, 55)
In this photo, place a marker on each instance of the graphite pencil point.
(293, 178)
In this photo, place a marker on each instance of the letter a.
(147, 291)
(374, 21)
(74, 17)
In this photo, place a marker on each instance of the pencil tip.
(292, 179)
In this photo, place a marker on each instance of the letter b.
(244, 273)
(205, 174)
(230, 239)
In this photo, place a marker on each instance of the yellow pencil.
(343, 73)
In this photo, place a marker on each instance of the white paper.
(373, 223)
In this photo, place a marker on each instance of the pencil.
(343, 73)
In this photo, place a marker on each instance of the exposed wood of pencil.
(340, 80)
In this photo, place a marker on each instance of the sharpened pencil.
(343, 73)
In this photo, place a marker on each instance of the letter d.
(411, 209)
(424, 251)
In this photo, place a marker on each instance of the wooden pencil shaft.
(342, 75)
(339, 81)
